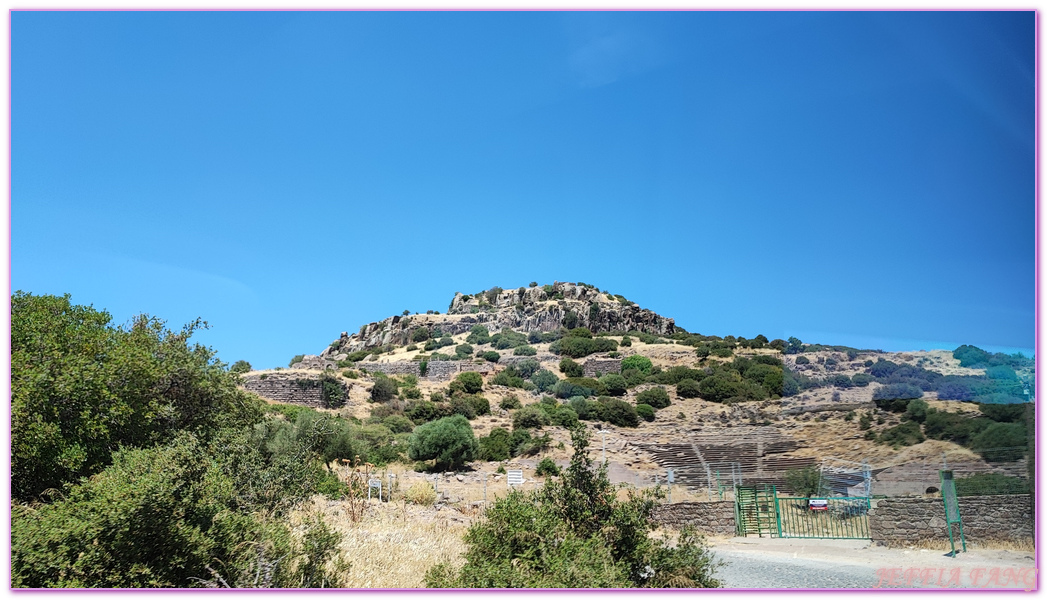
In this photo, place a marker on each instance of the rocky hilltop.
(525, 309)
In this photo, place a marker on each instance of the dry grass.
(394, 544)
(1022, 545)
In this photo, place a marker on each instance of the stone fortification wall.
(399, 367)
(901, 521)
(449, 369)
(594, 367)
(312, 361)
(437, 369)
(283, 388)
(715, 518)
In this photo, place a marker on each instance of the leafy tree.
(916, 411)
(240, 366)
(420, 335)
(805, 482)
(905, 434)
(575, 532)
(803, 360)
(1004, 413)
(639, 362)
(510, 402)
(449, 440)
(81, 388)
(570, 368)
(617, 412)
(655, 397)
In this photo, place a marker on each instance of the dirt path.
(787, 563)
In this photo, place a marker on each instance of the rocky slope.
(541, 308)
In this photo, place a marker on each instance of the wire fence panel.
(831, 518)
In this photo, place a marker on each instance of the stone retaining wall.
(715, 518)
(594, 367)
(282, 388)
(448, 369)
(901, 521)
(399, 367)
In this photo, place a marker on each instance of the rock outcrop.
(542, 308)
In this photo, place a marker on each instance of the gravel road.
(792, 564)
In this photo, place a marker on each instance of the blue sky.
(863, 178)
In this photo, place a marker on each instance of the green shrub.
(470, 382)
(529, 417)
(638, 362)
(478, 335)
(490, 356)
(861, 379)
(296, 359)
(544, 380)
(645, 412)
(508, 339)
(564, 417)
(1002, 442)
(916, 411)
(384, 389)
(614, 384)
(495, 446)
(547, 468)
(905, 434)
(805, 482)
(449, 441)
(687, 388)
(463, 351)
(510, 402)
(626, 341)
(398, 424)
(895, 396)
(600, 541)
(618, 412)
(420, 335)
(524, 351)
(240, 366)
(570, 368)
(655, 397)
(508, 379)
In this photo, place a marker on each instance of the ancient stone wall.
(594, 367)
(283, 388)
(901, 521)
(708, 517)
(449, 369)
(399, 367)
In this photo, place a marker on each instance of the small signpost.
(669, 479)
(515, 477)
(374, 484)
(952, 509)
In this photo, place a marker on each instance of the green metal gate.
(755, 511)
(836, 518)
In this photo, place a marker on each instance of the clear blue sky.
(848, 178)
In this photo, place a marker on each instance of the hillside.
(570, 351)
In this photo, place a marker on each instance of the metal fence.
(837, 518)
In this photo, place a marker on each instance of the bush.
(544, 380)
(420, 335)
(384, 389)
(547, 468)
(297, 358)
(688, 388)
(564, 417)
(524, 351)
(916, 411)
(508, 379)
(508, 339)
(495, 446)
(601, 541)
(861, 379)
(529, 417)
(655, 397)
(618, 412)
(398, 424)
(449, 440)
(570, 368)
(470, 382)
(906, 434)
(1002, 442)
(490, 356)
(240, 366)
(478, 335)
(803, 360)
(510, 402)
(614, 384)
(638, 362)
(645, 412)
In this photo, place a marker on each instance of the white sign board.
(515, 477)
(670, 477)
(819, 504)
